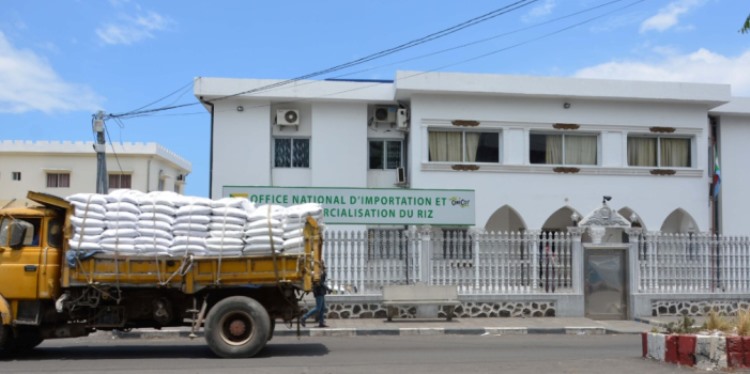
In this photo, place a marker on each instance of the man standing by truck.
(319, 291)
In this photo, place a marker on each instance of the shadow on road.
(129, 352)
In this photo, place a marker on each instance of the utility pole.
(100, 147)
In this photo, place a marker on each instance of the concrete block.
(686, 350)
(706, 355)
(670, 349)
(656, 346)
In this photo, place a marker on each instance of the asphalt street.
(487, 353)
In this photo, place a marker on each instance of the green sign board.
(372, 206)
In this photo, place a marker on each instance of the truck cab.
(30, 249)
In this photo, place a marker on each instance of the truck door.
(19, 264)
(51, 253)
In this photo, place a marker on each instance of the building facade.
(537, 151)
(65, 168)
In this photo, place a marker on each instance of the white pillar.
(577, 259)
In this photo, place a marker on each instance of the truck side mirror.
(17, 234)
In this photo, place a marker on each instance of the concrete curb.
(403, 331)
(705, 352)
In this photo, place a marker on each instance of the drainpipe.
(148, 174)
(211, 151)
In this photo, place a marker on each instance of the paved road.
(372, 354)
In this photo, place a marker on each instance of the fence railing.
(693, 263)
(361, 262)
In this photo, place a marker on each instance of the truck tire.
(237, 327)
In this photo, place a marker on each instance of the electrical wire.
(495, 13)
(430, 37)
(182, 88)
(112, 145)
(436, 35)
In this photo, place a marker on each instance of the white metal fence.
(693, 263)
(361, 262)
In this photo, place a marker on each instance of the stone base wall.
(697, 307)
(465, 310)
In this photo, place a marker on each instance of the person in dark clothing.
(319, 291)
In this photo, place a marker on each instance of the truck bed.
(190, 274)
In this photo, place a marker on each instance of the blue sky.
(62, 60)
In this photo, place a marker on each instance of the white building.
(65, 168)
(534, 150)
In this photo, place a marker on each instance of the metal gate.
(605, 283)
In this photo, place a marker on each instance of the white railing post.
(533, 238)
(634, 234)
(577, 259)
(476, 259)
(425, 235)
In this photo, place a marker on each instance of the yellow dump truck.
(48, 291)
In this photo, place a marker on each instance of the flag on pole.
(717, 177)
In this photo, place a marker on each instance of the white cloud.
(668, 16)
(540, 10)
(131, 29)
(700, 66)
(28, 83)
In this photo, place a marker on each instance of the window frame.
(384, 158)
(291, 160)
(16, 176)
(119, 177)
(58, 179)
(596, 135)
(658, 137)
(463, 132)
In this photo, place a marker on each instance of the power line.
(183, 88)
(527, 41)
(473, 21)
(436, 35)
(483, 40)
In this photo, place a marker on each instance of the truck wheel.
(237, 327)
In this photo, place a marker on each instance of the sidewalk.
(410, 327)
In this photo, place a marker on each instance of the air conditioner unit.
(400, 176)
(402, 118)
(287, 117)
(385, 114)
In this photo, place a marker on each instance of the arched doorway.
(678, 222)
(560, 220)
(505, 219)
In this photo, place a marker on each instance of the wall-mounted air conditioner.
(287, 117)
(400, 176)
(385, 114)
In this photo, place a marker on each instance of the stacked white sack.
(121, 216)
(294, 225)
(264, 230)
(190, 227)
(87, 220)
(227, 227)
(158, 211)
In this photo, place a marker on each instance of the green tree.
(746, 27)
